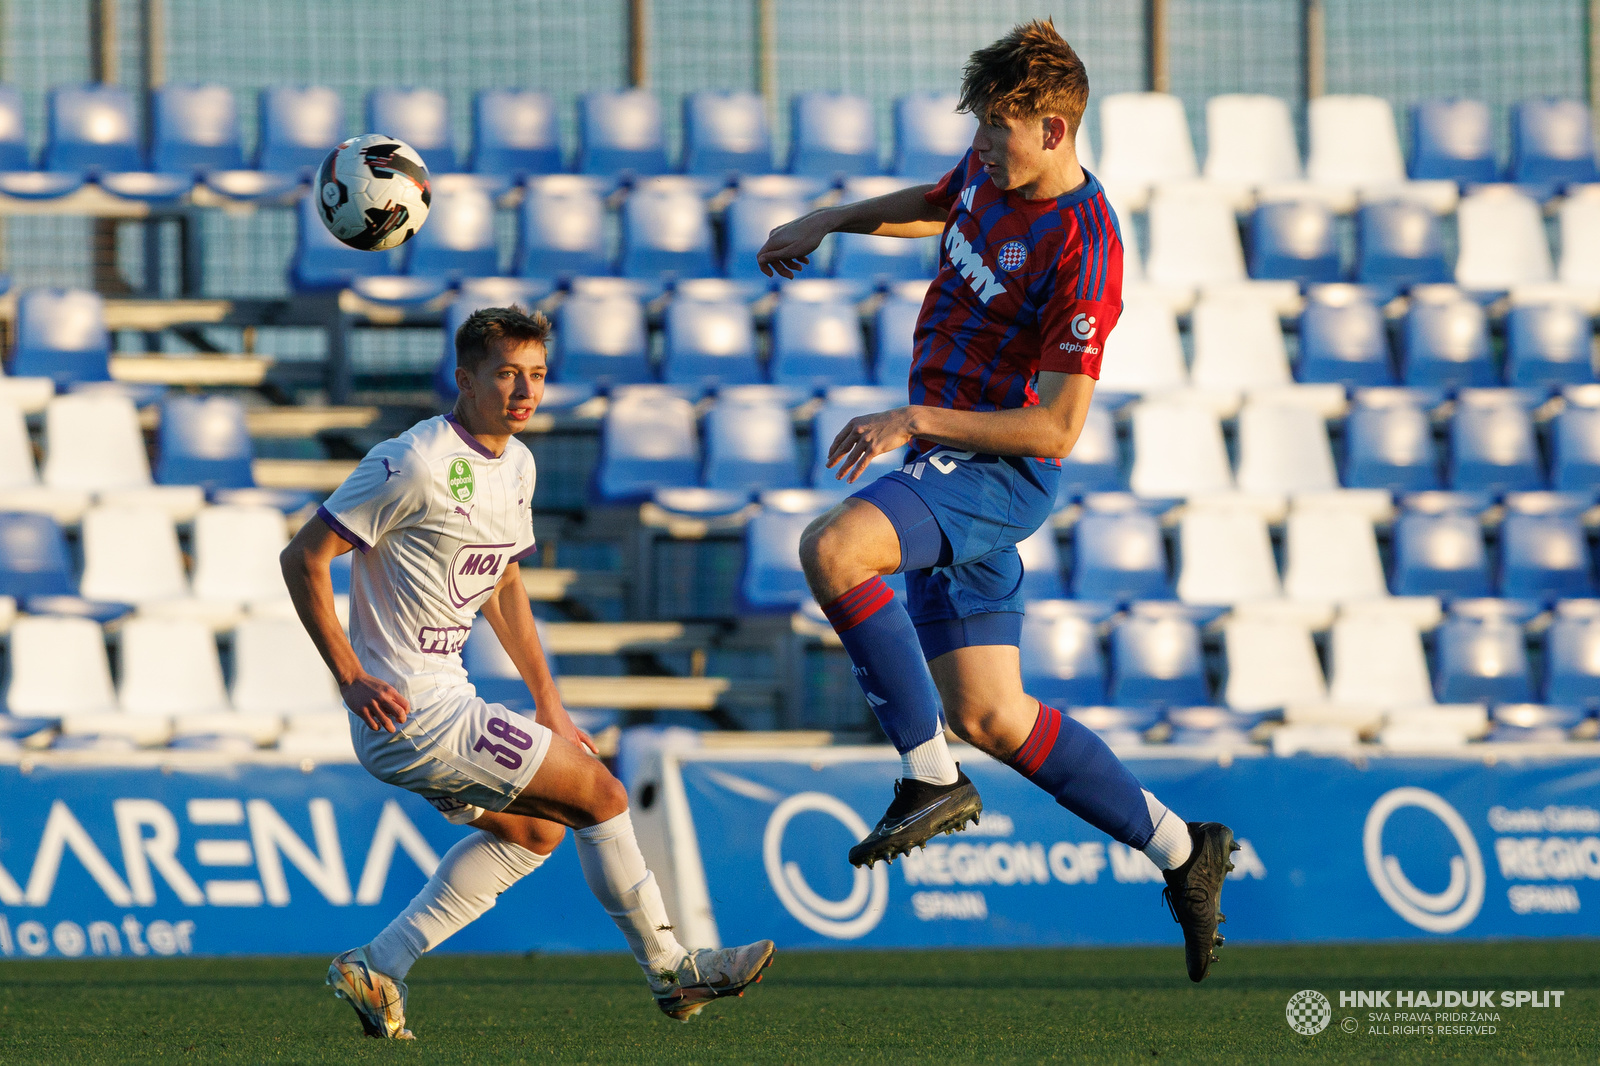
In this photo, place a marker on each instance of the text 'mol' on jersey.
(1023, 286)
(436, 518)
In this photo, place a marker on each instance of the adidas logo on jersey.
(970, 265)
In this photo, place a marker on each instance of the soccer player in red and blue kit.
(1007, 350)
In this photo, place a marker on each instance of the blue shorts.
(959, 517)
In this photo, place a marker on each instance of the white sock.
(619, 879)
(468, 880)
(1170, 845)
(930, 761)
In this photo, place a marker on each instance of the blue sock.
(1067, 760)
(883, 646)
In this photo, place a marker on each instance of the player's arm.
(512, 621)
(902, 213)
(305, 565)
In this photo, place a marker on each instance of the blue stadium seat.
(1533, 723)
(13, 132)
(709, 344)
(1544, 557)
(880, 260)
(834, 135)
(726, 133)
(750, 445)
(601, 339)
(421, 118)
(1492, 446)
(320, 262)
(203, 441)
(930, 136)
(1552, 141)
(1452, 140)
(1095, 464)
(772, 578)
(1060, 651)
(195, 128)
(517, 133)
(33, 557)
(1119, 556)
(666, 231)
(1294, 242)
(647, 442)
(92, 128)
(1389, 444)
(1548, 346)
(1399, 243)
(1576, 448)
(1155, 660)
(1482, 660)
(749, 220)
(1446, 344)
(458, 240)
(839, 407)
(1040, 553)
(1343, 339)
(1440, 555)
(563, 231)
(893, 333)
(298, 126)
(816, 344)
(1572, 662)
(61, 334)
(619, 133)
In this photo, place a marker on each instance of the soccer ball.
(373, 191)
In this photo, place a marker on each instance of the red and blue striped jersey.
(1023, 286)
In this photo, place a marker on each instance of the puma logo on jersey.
(466, 512)
(970, 265)
(388, 471)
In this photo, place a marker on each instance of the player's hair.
(497, 323)
(1031, 71)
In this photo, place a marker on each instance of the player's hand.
(789, 247)
(868, 436)
(560, 723)
(375, 702)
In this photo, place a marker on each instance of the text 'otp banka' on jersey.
(1023, 286)
(436, 518)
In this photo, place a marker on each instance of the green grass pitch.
(1089, 1006)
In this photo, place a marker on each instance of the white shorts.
(464, 756)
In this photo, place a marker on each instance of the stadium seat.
(1060, 651)
(1178, 450)
(492, 672)
(169, 666)
(930, 135)
(880, 260)
(33, 557)
(1144, 139)
(772, 578)
(1389, 443)
(750, 445)
(1492, 446)
(1343, 340)
(61, 335)
(749, 220)
(838, 407)
(1156, 660)
(1194, 238)
(1483, 660)
(1353, 142)
(1502, 240)
(893, 333)
(601, 340)
(1376, 660)
(817, 344)
(1552, 142)
(92, 128)
(834, 135)
(58, 666)
(1579, 217)
(130, 555)
(1250, 140)
(203, 441)
(619, 134)
(276, 670)
(563, 232)
(1283, 447)
(647, 441)
(1440, 555)
(1331, 555)
(1144, 352)
(1445, 343)
(1238, 344)
(236, 548)
(1549, 345)
(1452, 139)
(320, 263)
(93, 442)
(458, 241)
(1544, 557)
(298, 126)
(195, 128)
(1095, 464)
(1576, 449)
(419, 117)
(13, 132)
(517, 133)
(17, 469)
(1572, 662)
(726, 134)
(1399, 243)
(1534, 723)
(1119, 556)
(710, 343)
(1225, 556)
(666, 231)
(1294, 242)
(1272, 664)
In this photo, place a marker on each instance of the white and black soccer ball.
(374, 192)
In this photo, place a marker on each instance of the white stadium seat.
(130, 555)
(170, 666)
(1084, 147)
(236, 553)
(1332, 555)
(1501, 232)
(276, 669)
(58, 666)
(1353, 142)
(1144, 139)
(1178, 450)
(1250, 139)
(1283, 447)
(1580, 237)
(1144, 352)
(1377, 661)
(1271, 664)
(1225, 556)
(1238, 343)
(93, 442)
(1194, 237)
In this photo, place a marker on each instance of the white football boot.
(707, 974)
(379, 1000)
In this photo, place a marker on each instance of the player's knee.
(819, 545)
(538, 835)
(975, 721)
(607, 797)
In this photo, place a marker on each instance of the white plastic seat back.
(236, 553)
(130, 555)
(1332, 556)
(170, 666)
(58, 666)
(1580, 239)
(1377, 661)
(16, 453)
(1238, 344)
(1132, 257)
(1353, 141)
(1272, 663)
(1144, 139)
(276, 669)
(1144, 352)
(1283, 447)
(1225, 557)
(1194, 238)
(1502, 240)
(1178, 450)
(93, 441)
(1250, 139)
(1084, 147)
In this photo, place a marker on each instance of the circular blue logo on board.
(1012, 255)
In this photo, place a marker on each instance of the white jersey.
(435, 518)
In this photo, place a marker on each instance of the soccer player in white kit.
(441, 516)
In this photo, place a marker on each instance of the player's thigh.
(846, 545)
(571, 787)
(538, 835)
(984, 702)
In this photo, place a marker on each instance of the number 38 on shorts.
(509, 753)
